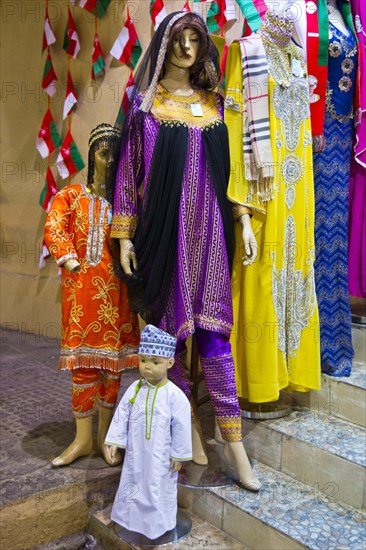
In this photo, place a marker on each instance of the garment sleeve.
(130, 174)
(57, 234)
(180, 425)
(118, 430)
(234, 113)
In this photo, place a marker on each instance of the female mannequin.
(99, 334)
(182, 230)
(276, 342)
(331, 182)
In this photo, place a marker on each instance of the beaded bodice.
(342, 68)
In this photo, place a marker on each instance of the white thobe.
(155, 429)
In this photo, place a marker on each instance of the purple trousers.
(218, 369)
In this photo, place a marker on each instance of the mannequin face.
(103, 159)
(187, 57)
(154, 368)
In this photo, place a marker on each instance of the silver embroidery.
(231, 104)
(94, 247)
(292, 171)
(293, 294)
(291, 106)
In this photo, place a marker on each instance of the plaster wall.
(30, 297)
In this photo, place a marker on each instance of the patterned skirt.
(331, 179)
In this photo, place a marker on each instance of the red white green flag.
(48, 137)
(71, 97)
(186, 7)
(97, 59)
(48, 36)
(127, 48)
(48, 192)
(49, 77)
(69, 159)
(44, 255)
(157, 11)
(97, 7)
(126, 100)
(71, 39)
(215, 18)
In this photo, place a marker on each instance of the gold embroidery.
(174, 109)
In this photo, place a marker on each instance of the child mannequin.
(153, 423)
(99, 333)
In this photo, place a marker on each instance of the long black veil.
(155, 239)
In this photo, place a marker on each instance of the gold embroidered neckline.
(188, 98)
(175, 109)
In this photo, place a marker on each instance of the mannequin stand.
(180, 531)
(196, 476)
(267, 411)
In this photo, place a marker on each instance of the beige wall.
(30, 298)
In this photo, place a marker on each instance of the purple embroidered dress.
(200, 293)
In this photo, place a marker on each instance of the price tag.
(296, 68)
(196, 109)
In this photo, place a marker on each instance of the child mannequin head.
(156, 352)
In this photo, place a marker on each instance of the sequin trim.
(293, 295)
(65, 258)
(94, 247)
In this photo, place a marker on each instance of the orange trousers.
(92, 388)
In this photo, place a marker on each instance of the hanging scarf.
(258, 160)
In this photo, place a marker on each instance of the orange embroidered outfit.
(99, 333)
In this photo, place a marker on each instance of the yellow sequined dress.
(275, 339)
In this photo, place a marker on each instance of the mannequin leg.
(85, 384)
(178, 374)
(218, 371)
(107, 398)
(82, 444)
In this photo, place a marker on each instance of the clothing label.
(196, 109)
(296, 68)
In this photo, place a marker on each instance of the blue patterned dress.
(331, 179)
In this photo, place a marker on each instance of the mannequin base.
(267, 411)
(180, 531)
(209, 475)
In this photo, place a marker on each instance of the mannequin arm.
(72, 266)
(249, 240)
(175, 465)
(127, 254)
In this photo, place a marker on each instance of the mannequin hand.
(72, 266)
(175, 465)
(249, 240)
(127, 255)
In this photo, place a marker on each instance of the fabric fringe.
(261, 190)
(94, 361)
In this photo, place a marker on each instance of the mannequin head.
(156, 353)
(155, 368)
(189, 47)
(103, 155)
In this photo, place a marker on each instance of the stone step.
(315, 448)
(284, 515)
(202, 536)
(359, 342)
(343, 397)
